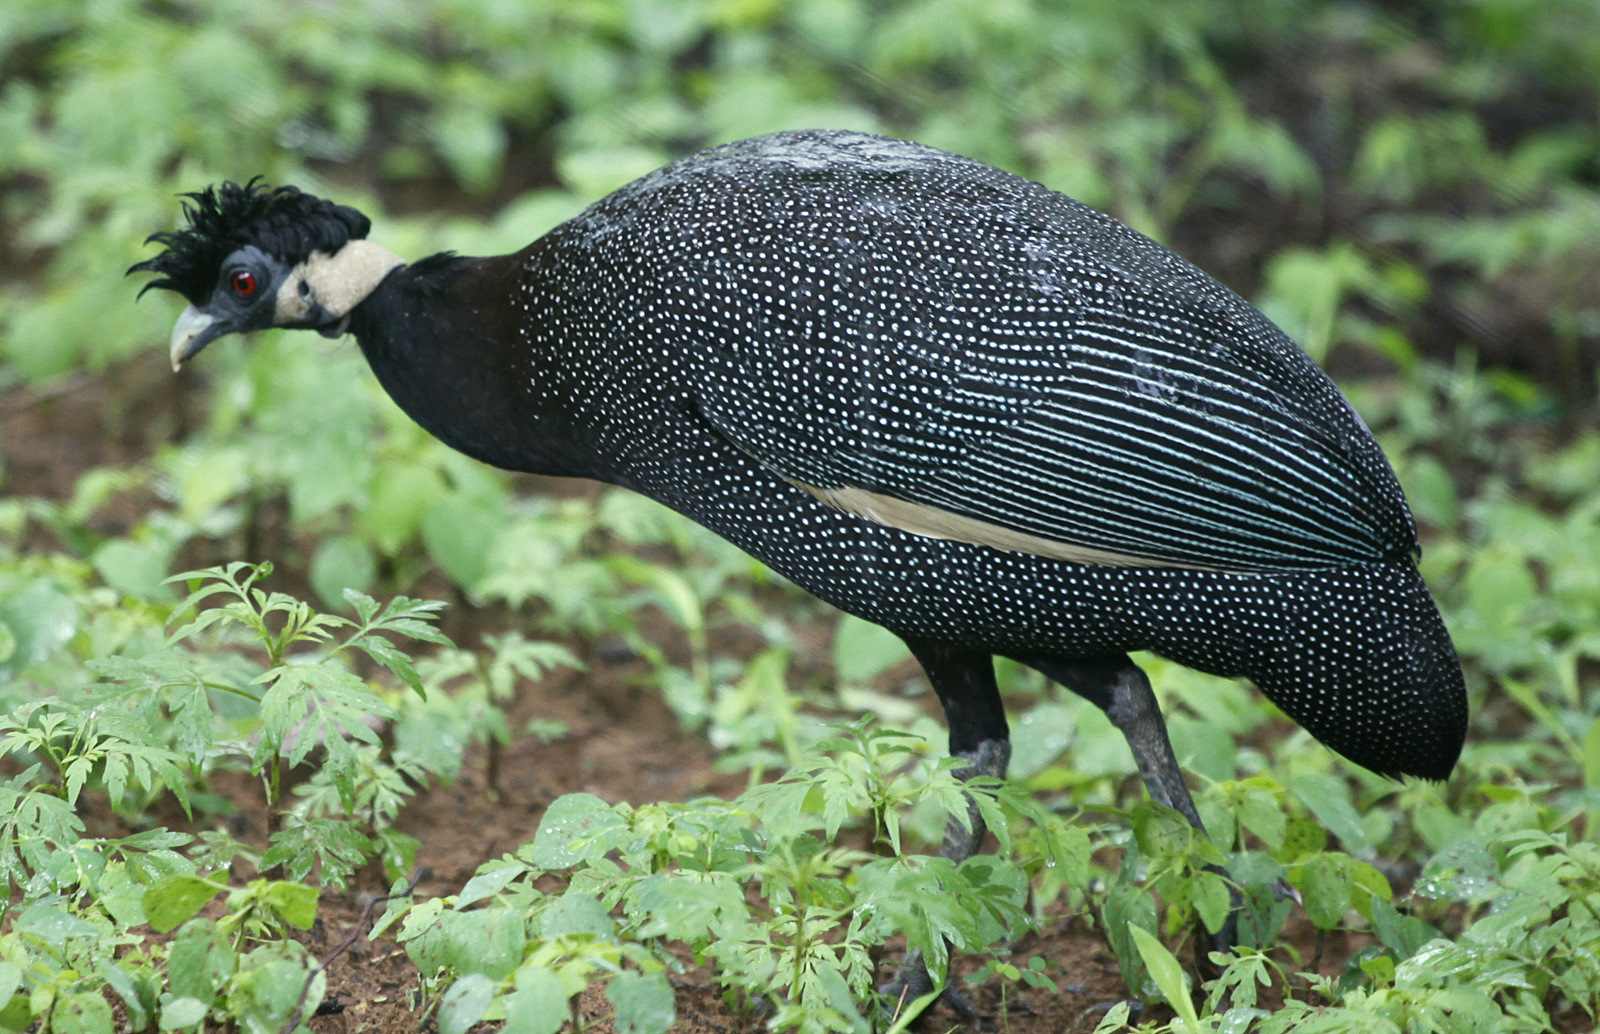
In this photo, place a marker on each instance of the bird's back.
(873, 319)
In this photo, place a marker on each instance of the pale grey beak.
(194, 330)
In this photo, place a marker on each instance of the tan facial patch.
(942, 524)
(338, 282)
(292, 304)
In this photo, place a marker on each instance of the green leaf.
(1380, 968)
(421, 931)
(1368, 885)
(1402, 934)
(42, 619)
(682, 601)
(1591, 757)
(1162, 832)
(1464, 870)
(575, 827)
(398, 852)
(137, 986)
(177, 1013)
(487, 884)
(472, 140)
(1306, 288)
(1039, 735)
(402, 492)
(393, 658)
(459, 530)
(206, 478)
(177, 899)
(52, 925)
(1301, 838)
(1262, 916)
(486, 940)
(268, 985)
(154, 839)
(1326, 885)
(687, 906)
(595, 172)
(1262, 814)
(50, 822)
(412, 618)
(465, 1003)
(1211, 899)
(1126, 908)
(334, 846)
(1117, 1018)
(323, 704)
(342, 564)
(905, 1013)
(1431, 491)
(123, 896)
(17, 1015)
(1500, 588)
(134, 569)
(199, 961)
(643, 1002)
(1167, 972)
(294, 903)
(537, 1005)
(576, 913)
(1329, 799)
(862, 650)
(81, 1014)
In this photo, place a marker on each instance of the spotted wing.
(938, 345)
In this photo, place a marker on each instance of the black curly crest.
(284, 222)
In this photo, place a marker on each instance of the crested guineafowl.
(935, 394)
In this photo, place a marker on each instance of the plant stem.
(799, 951)
(274, 780)
(235, 690)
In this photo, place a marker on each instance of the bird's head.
(254, 257)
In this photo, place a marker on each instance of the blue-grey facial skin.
(278, 296)
(230, 310)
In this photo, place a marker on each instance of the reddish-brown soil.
(622, 744)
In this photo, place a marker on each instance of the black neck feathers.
(447, 340)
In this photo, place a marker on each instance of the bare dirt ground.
(622, 744)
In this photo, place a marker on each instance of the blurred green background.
(1410, 178)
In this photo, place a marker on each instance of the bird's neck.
(446, 339)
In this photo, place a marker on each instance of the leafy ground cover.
(682, 810)
(617, 776)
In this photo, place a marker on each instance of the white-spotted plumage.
(839, 309)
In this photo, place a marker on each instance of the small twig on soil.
(361, 924)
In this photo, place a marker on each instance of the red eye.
(244, 284)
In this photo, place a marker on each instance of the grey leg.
(1133, 710)
(1122, 690)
